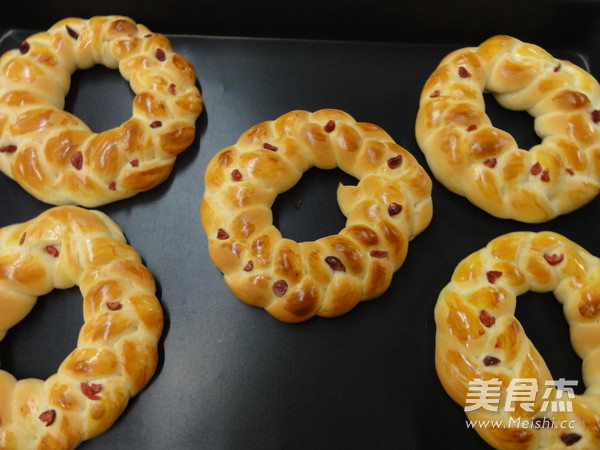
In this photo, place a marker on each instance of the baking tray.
(232, 377)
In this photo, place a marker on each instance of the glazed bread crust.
(116, 353)
(295, 281)
(479, 338)
(472, 158)
(52, 154)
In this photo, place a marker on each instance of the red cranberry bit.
(48, 417)
(22, 239)
(335, 263)
(156, 124)
(8, 149)
(160, 54)
(24, 47)
(571, 172)
(91, 391)
(490, 162)
(329, 126)
(394, 162)
(74, 34)
(557, 67)
(394, 209)
(236, 175)
(536, 169)
(486, 318)
(112, 186)
(490, 361)
(553, 260)
(570, 438)
(493, 275)
(135, 163)
(249, 266)
(378, 253)
(172, 89)
(77, 160)
(545, 175)
(596, 115)
(52, 251)
(542, 422)
(435, 94)
(222, 234)
(471, 127)
(463, 73)
(280, 287)
(114, 306)
(268, 146)
(148, 35)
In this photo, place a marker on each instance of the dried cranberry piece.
(52, 251)
(536, 169)
(8, 149)
(335, 263)
(545, 175)
(160, 54)
(91, 391)
(156, 124)
(472, 127)
(74, 34)
(236, 175)
(570, 438)
(112, 186)
(493, 275)
(595, 116)
(486, 318)
(24, 47)
(135, 162)
(48, 417)
(553, 260)
(114, 306)
(570, 171)
(435, 94)
(394, 209)
(557, 67)
(394, 162)
(280, 287)
(329, 126)
(222, 234)
(77, 160)
(249, 266)
(22, 238)
(268, 146)
(490, 162)
(378, 253)
(172, 89)
(490, 361)
(463, 72)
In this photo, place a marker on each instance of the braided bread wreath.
(479, 338)
(52, 154)
(295, 281)
(116, 353)
(472, 158)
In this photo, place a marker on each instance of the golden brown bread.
(116, 352)
(53, 154)
(474, 159)
(294, 281)
(479, 337)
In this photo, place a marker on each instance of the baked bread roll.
(472, 158)
(52, 154)
(488, 365)
(295, 281)
(116, 352)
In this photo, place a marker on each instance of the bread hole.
(36, 346)
(100, 97)
(542, 318)
(519, 124)
(309, 210)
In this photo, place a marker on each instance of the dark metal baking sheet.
(231, 376)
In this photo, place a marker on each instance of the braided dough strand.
(474, 159)
(479, 338)
(116, 352)
(294, 281)
(52, 154)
